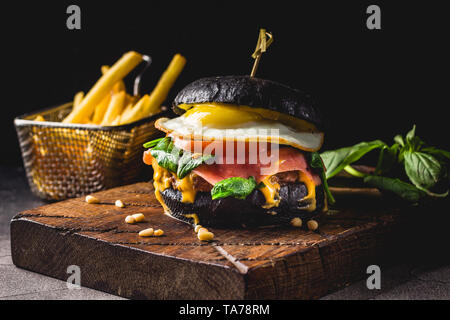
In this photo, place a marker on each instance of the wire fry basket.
(71, 160)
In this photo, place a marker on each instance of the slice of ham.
(288, 159)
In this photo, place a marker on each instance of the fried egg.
(211, 122)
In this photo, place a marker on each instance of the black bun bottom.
(232, 212)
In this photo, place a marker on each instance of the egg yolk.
(221, 116)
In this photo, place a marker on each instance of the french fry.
(105, 84)
(86, 121)
(127, 110)
(131, 99)
(136, 112)
(77, 99)
(119, 86)
(165, 83)
(115, 107)
(116, 121)
(100, 110)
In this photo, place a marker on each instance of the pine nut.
(158, 233)
(197, 227)
(205, 236)
(146, 232)
(92, 199)
(130, 219)
(312, 225)
(296, 222)
(138, 217)
(119, 204)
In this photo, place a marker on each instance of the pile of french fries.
(107, 103)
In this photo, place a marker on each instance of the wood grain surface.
(264, 263)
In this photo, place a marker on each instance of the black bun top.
(252, 92)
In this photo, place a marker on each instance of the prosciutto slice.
(286, 159)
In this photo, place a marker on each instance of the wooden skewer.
(261, 47)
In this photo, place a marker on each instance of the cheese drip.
(271, 191)
(162, 179)
(310, 199)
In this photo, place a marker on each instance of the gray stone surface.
(417, 279)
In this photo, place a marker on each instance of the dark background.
(372, 84)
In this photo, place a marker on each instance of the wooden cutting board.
(265, 263)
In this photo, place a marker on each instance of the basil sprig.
(317, 163)
(174, 159)
(409, 157)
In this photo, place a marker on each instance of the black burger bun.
(252, 92)
(232, 212)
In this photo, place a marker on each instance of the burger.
(241, 153)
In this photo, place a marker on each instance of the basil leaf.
(422, 169)
(413, 142)
(405, 190)
(189, 162)
(437, 152)
(387, 159)
(316, 163)
(411, 134)
(236, 187)
(152, 143)
(166, 154)
(337, 160)
(399, 140)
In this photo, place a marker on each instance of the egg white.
(260, 131)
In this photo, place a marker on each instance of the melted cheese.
(310, 198)
(194, 217)
(271, 192)
(162, 179)
(186, 187)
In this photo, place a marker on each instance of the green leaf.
(337, 160)
(413, 142)
(399, 140)
(317, 163)
(387, 159)
(236, 187)
(411, 134)
(437, 152)
(189, 162)
(422, 169)
(152, 143)
(403, 189)
(166, 154)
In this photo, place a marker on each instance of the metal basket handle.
(137, 81)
